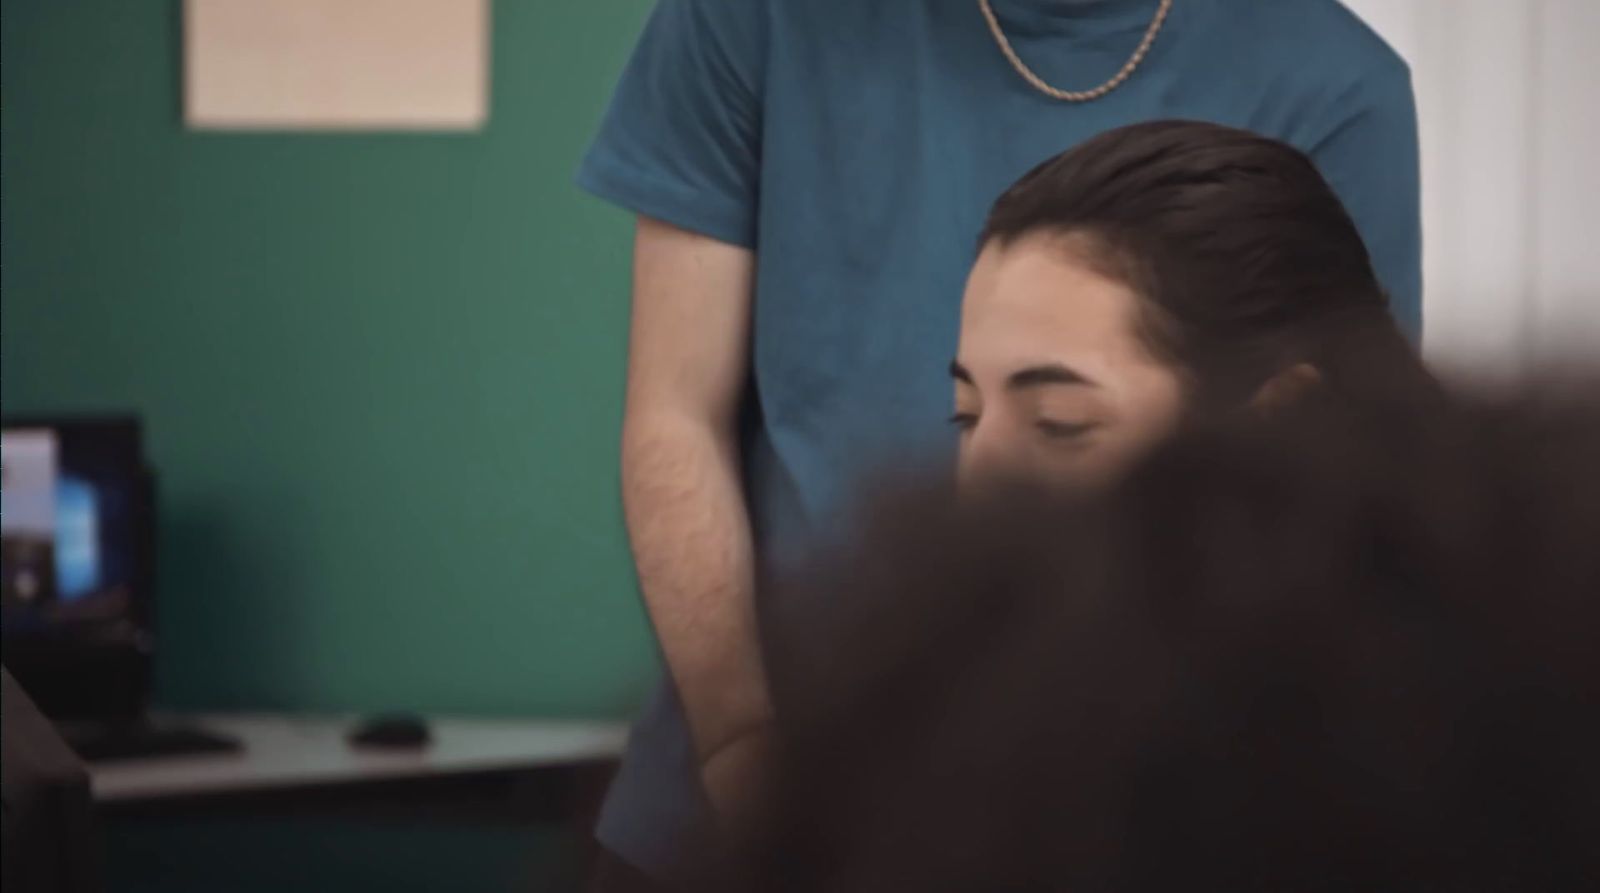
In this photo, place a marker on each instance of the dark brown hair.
(1309, 656)
(1245, 258)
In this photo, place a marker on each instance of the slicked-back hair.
(1244, 258)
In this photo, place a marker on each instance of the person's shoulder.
(1347, 35)
(1336, 34)
(719, 16)
(736, 10)
(1322, 36)
(748, 24)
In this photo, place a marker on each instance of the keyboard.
(137, 742)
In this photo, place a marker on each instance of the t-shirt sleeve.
(681, 141)
(1370, 156)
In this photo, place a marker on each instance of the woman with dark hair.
(1155, 272)
(1038, 695)
(1318, 626)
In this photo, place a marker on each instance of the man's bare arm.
(681, 475)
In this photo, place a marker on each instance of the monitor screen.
(73, 519)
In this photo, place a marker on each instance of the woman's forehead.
(1032, 301)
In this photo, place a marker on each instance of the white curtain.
(1508, 100)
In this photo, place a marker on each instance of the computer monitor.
(78, 529)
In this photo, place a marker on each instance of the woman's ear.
(1286, 389)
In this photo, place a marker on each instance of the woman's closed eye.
(1059, 430)
(964, 421)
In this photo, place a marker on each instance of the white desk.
(282, 751)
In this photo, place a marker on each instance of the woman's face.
(1051, 376)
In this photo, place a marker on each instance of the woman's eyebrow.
(1048, 374)
(1032, 376)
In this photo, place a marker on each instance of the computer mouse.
(390, 731)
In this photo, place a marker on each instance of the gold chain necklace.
(1075, 95)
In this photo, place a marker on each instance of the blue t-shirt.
(856, 145)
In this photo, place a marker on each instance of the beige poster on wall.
(336, 64)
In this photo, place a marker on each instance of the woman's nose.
(984, 455)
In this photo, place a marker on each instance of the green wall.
(381, 374)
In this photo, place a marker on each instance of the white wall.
(1508, 97)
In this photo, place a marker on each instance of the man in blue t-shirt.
(809, 178)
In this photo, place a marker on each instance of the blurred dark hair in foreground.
(1326, 651)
